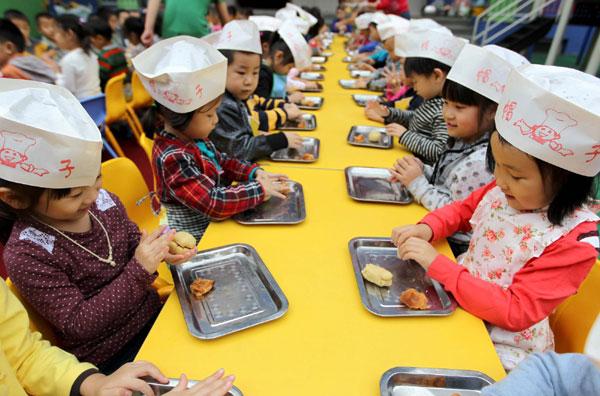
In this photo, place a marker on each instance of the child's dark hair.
(11, 33)
(30, 196)
(41, 15)
(15, 14)
(267, 36)
(133, 25)
(229, 54)
(278, 44)
(178, 121)
(100, 27)
(232, 11)
(246, 11)
(71, 22)
(314, 29)
(105, 13)
(568, 190)
(424, 66)
(458, 93)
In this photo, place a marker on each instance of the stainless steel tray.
(318, 68)
(310, 146)
(353, 66)
(385, 141)
(360, 73)
(276, 210)
(317, 100)
(319, 59)
(372, 184)
(244, 294)
(362, 99)
(416, 381)
(348, 59)
(385, 301)
(327, 54)
(161, 389)
(348, 84)
(318, 89)
(309, 119)
(312, 76)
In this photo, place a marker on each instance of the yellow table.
(327, 343)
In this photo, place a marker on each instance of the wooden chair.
(116, 105)
(572, 320)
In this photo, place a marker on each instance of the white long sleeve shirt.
(79, 74)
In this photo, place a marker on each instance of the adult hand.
(147, 37)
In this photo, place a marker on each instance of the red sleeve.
(453, 217)
(537, 289)
(383, 4)
(234, 169)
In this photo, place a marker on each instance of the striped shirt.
(268, 111)
(426, 133)
(111, 62)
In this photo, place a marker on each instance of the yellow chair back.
(140, 97)
(572, 320)
(116, 105)
(36, 321)
(147, 144)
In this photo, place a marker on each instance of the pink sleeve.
(537, 289)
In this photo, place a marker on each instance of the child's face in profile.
(518, 176)
(47, 26)
(373, 33)
(388, 45)
(204, 120)
(70, 208)
(430, 86)
(278, 66)
(340, 13)
(242, 74)
(463, 121)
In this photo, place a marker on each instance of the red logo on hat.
(507, 111)
(594, 153)
(483, 75)
(67, 168)
(499, 87)
(14, 152)
(549, 130)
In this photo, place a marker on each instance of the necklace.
(108, 260)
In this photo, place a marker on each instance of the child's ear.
(278, 56)
(265, 48)
(12, 199)
(490, 112)
(439, 75)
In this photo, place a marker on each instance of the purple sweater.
(95, 308)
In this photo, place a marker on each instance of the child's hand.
(292, 110)
(361, 82)
(211, 386)
(176, 259)
(262, 175)
(153, 248)
(403, 233)
(365, 66)
(419, 250)
(376, 111)
(406, 170)
(295, 141)
(122, 381)
(273, 189)
(395, 130)
(296, 97)
(311, 84)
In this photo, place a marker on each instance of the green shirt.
(186, 17)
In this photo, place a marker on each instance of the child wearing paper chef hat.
(471, 93)
(237, 132)
(534, 236)
(186, 77)
(70, 247)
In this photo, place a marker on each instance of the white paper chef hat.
(182, 73)
(237, 35)
(297, 44)
(47, 139)
(552, 113)
(592, 343)
(307, 16)
(394, 26)
(265, 23)
(362, 21)
(378, 18)
(435, 44)
(485, 69)
(424, 24)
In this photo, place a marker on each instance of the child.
(109, 16)
(470, 104)
(132, 31)
(239, 42)
(340, 15)
(267, 26)
(288, 50)
(14, 63)
(70, 248)
(429, 56)
(46, 25)
(21, 21)
(111, 59)
(79, 67)
(190, 173)
(534, 238)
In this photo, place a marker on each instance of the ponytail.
(71, 22)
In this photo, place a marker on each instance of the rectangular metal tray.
(244, 294)
(372, 185)
(276, 210)
(311, 146)
(353, 66)
(319, 59)
(318, 68)
(318, 89)
(348, 59)
(327, 54)
(416, 381)
(312, 76)
(161, 389)
(362, 99)
(385, 301)
(385, 141)
(309, 119)
(317, 100)
(360, 73)
(348, 84)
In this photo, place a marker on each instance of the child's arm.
(537, 289)
(428, 147)
(265, 83)
(191, 187)
(269, 112)
(398, 116)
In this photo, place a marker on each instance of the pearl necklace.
(108, 260)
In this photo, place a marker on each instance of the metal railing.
(501, 12)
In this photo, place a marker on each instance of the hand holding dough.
(378, 275)
(181, 243)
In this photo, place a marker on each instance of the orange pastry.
(301, 123)
(200, 287)
(308, 157)
(414, 299)
(359, 138)
(310, 103)
(287, 188)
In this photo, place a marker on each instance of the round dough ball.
(374, 136)
(181, 243)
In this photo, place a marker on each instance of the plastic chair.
(140, 99)
(572, 320)
(122, 177)
(96, 108)
(116, 105)
(147, 144)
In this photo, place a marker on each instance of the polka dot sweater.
(95, 308)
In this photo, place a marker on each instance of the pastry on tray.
(414, 299)
(200, 287)
(377, 275)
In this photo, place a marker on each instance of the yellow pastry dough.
(181, 243)
(377, 275)
(374, 136)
